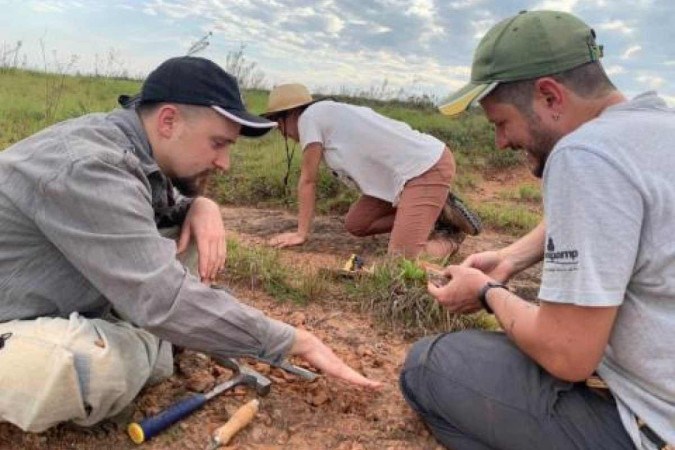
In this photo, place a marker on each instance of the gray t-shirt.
(609, 199)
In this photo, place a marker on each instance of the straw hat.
(286, 97)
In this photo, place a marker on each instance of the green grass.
(396, 295)
(515, 220)
(525, 192)
(30, 101)
(259, 267)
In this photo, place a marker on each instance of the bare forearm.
(517, 318)
(306, 203)
(528, 250)
(556, 336)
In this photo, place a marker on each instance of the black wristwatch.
(483, 293)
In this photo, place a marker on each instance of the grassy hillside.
(30, 101)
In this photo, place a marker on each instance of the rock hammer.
(152, 426)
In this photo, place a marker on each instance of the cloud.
(422, 8)
(414, 43)
(47, 7)
(651, 81)
(482, 25)
(465, 4)
(630, 51)
(615, 70)
(616, 25)
(670, 99)
(557, 5)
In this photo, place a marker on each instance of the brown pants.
(413, 220)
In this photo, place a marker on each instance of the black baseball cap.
(192, 80)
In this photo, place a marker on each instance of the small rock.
(278, 380)
(262, 368)
(201, 382)
(317, 398)
(363, 350)
(297, 318)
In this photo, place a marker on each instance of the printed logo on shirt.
(558, 259)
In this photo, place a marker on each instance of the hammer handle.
(152, 426)
(239, 420)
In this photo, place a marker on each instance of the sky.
(385, 47)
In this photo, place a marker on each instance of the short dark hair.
(587, 80)
(188, 111)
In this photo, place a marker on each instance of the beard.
(191, 186)
(542, 142)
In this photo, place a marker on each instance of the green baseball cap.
(529, 45)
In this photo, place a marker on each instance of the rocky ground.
(297, 414)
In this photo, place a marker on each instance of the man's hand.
(460, 294)
(205, 224)
(311, 349)
(493, 263)
(287, 240)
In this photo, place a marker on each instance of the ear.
(167, 119)
(549, 94)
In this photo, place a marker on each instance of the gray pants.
(476, 390)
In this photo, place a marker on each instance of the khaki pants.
(412, 221)
(77, 369)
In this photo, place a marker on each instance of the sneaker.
(457, 216)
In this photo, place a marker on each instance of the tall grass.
(26, 106)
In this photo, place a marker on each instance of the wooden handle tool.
(242, 417)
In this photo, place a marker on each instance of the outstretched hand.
(205, 224)
(287, 240)
(311, 349)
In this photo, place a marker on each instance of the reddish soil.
(297, 414)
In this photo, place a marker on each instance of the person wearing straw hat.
(92, 294)
(404, 176)
(591, 364)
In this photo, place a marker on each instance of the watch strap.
(482, 294)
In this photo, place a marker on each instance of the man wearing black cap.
(80, 207)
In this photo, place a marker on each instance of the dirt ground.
(297, 414)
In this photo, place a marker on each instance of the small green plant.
(396, 294)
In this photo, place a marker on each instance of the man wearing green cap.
(606, 307)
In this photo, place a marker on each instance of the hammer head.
(256, 380)
(245, 375)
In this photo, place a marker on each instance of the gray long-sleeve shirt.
(79, 203)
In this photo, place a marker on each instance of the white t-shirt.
(609, 200)
(366, 150)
